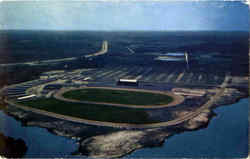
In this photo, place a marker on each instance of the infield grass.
(91, 111)
(118, 96)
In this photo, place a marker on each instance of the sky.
(124, 15)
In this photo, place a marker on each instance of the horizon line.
(205, 30)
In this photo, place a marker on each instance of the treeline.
(20, 73)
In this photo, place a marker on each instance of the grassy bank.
(91, 111)
(118, 96)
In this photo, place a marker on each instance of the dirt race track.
(176, 98)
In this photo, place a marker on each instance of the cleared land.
(91, 111)
(118, 96)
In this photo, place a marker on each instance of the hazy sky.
(124, 15)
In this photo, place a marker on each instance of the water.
(225, 137)
(39, 141)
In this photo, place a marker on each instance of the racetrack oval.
(137, 98)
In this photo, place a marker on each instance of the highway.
(104, 50)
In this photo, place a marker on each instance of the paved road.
(104, 50)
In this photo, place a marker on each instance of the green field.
(91, 111)
(118, 96)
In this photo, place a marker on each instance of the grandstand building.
(128, 82)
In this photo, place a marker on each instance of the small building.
(128, 82)
(26, 97)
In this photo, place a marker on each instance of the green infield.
(118, 96)
(91, 111)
